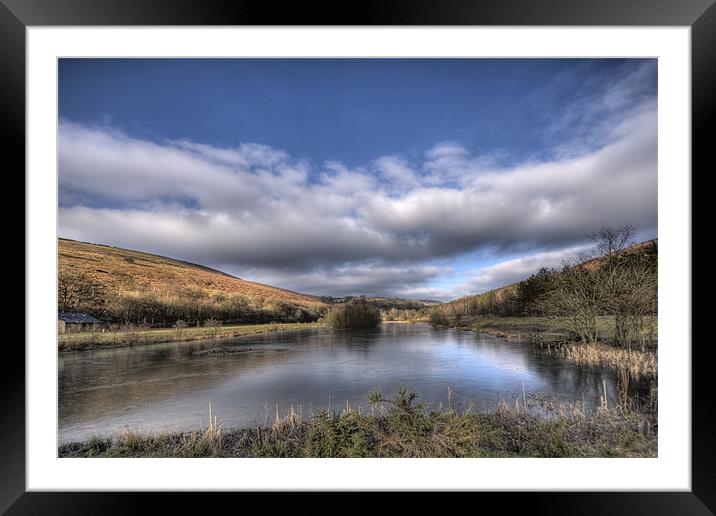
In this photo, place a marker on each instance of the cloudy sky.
(415, 178)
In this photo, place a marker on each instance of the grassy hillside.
(124, 270)
(503, 298)
(127, 286)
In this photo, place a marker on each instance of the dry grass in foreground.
(400, 427)
(635, 362)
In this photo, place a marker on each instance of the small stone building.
(69, 322)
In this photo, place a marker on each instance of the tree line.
(78, 293)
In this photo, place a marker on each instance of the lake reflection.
(170, 386)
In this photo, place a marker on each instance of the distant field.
(544, 329)
(116, 339)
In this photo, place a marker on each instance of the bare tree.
(611, 240)
(637, 300)
(213, 326)
(180, 325)
(628, 282)
(622, 285)
(574, 295)
(76, 291)
(629, 285)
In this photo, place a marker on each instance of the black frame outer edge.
(367, 12)
(15, 15)
(703, 126)
(12, 143)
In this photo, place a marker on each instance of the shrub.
(353, 314)
(438, 318)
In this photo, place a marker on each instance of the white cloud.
(397, 173)
(353, 279)
(343, 230)
(512, 271)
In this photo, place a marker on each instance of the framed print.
(411, 250)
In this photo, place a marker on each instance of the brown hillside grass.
(123, 271)
(634, 249)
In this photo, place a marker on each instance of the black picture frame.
(700, 15)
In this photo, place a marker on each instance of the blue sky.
(424, 178)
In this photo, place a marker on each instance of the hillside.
(506, 294)
(124, 270)
(101, 277)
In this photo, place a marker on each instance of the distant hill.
(385, 303)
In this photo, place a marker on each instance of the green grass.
(115, 339)
(527, 328)
(402, 427)
(542, 329)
